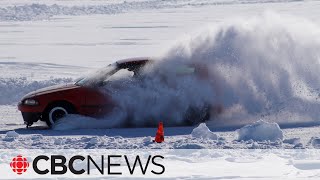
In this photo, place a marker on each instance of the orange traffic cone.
(160, 134)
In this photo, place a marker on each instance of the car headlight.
(30, 102)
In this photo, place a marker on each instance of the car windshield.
(98, 77)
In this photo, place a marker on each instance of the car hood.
(50, 89)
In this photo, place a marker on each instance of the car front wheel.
(56, 112)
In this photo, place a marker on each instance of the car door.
(98, 103)
(98, 100)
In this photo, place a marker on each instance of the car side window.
(122, 74)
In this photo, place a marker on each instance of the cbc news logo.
(60, 165)
(19, 164)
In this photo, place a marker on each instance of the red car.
(83, 97)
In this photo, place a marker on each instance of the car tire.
(55, 112)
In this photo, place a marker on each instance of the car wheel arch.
(69, 107)
(60, 103)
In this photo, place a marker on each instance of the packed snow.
(293, 141)
(175, 138)
(12, 134)
(202, 131)
(260, 131)
(190, 164)
(315, 141)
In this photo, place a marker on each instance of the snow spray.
(261, 67)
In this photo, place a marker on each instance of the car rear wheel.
(56, 112)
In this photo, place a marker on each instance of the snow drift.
(13, 89)
(35, 11)
(266, 66)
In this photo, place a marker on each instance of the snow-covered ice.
(268, 58)
(307, 164)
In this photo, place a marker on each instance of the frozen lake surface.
(44, 43)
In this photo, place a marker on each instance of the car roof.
(136, 61)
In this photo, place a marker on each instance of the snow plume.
(266, 66)
(163, 94)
